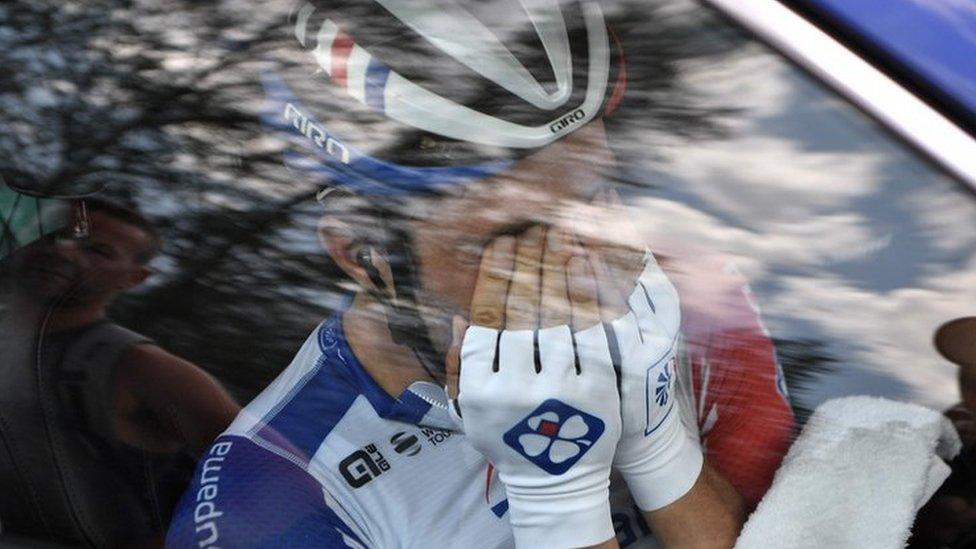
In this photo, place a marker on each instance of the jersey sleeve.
(745, 417)
(243, 495)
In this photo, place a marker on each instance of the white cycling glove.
(655, 455)
(544, 409)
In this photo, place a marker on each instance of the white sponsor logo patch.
(316, 134)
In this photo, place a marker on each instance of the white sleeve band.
(662, 478)
(562, 524)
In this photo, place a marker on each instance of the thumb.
(453, 360)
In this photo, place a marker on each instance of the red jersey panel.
(739, 393)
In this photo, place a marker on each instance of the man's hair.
(129, 215)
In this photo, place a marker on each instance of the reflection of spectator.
(956, 340)
(949, 519)
(92, 415)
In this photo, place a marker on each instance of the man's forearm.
(709, 515)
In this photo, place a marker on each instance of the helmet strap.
(403, 317)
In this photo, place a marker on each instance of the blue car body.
(928, 45)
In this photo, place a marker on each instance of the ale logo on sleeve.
(554, 436)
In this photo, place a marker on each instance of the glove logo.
(658, 398)
(663, 390)
(554, 436)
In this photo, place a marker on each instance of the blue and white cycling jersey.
(325, 458)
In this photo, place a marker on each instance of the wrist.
(657, 478)
(571, 518)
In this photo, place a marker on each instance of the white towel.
(855, 477)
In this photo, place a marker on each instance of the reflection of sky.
(846, 236)
(935, 37)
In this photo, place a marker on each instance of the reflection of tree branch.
(258, 223)
(245, 50)
(804, 362)
(90, 132)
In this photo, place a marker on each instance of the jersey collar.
(422, 403)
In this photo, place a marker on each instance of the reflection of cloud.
(816, 241)
(720, 78)
(887, 333)
(960, 14)
(789, 197)
(948, 224)
(768, 180)
(880, 332)
(959, 7)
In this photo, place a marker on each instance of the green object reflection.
(25, 218)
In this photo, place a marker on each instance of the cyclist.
(457, 190)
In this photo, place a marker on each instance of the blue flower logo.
(554, 436)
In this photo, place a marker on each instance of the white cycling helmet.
(394, 96)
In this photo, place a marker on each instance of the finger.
(488, 300)
(522, 307)
(615, 237)
(625, 259)
(554, 308)
(453, 361)
(613, 303)
(583, 294)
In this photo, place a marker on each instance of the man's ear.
(355, 256)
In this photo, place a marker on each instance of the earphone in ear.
(365, 259)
